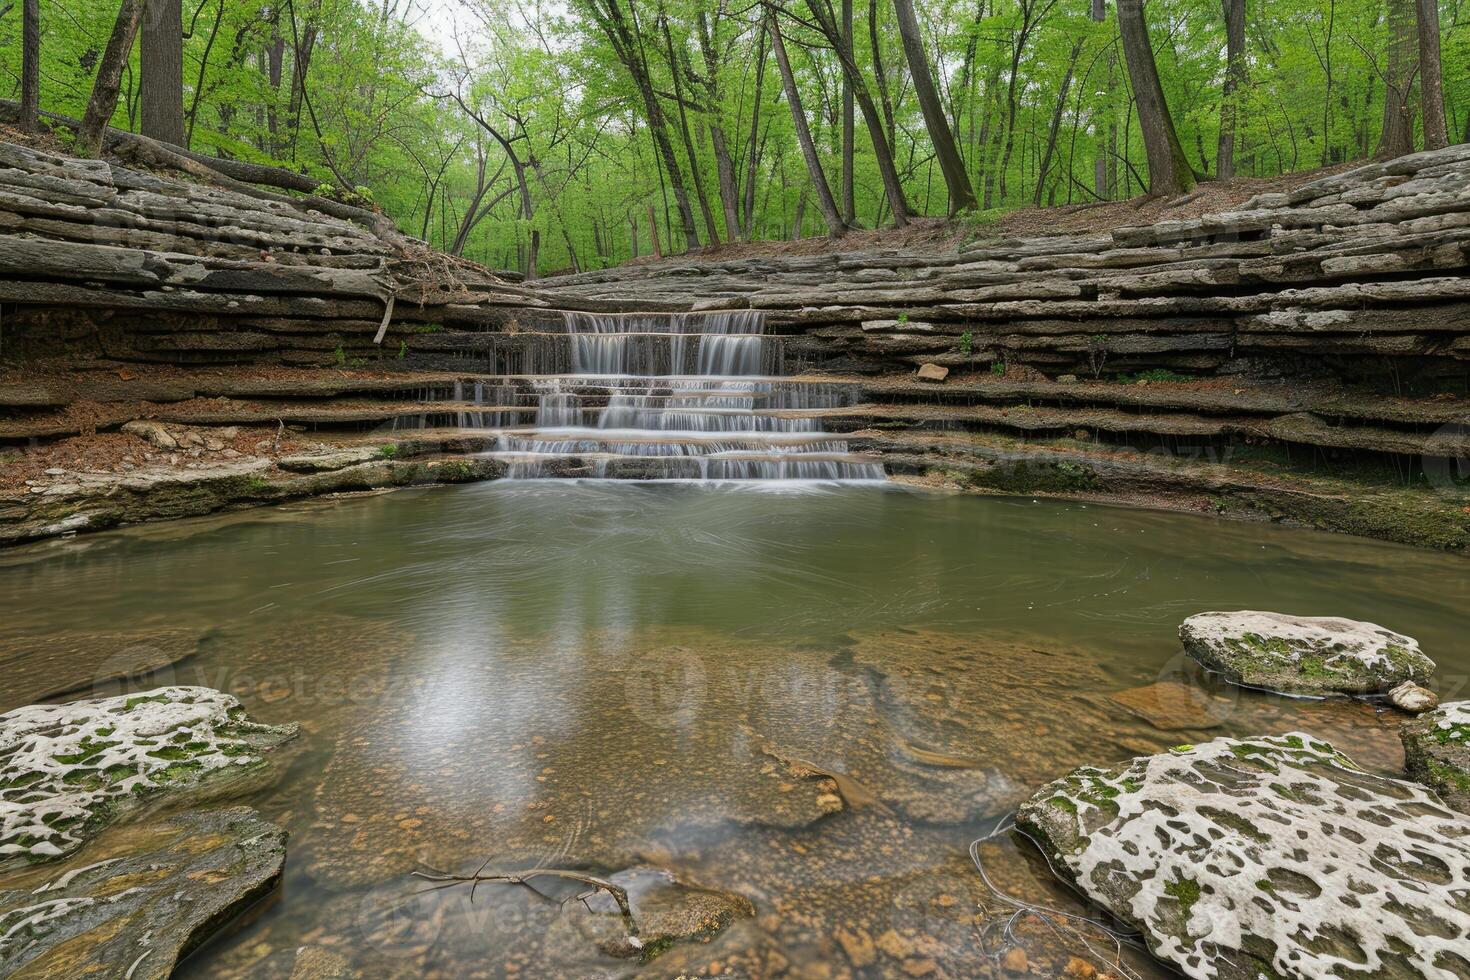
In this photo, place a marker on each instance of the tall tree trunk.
(826, 22)
(724, 167)
(628, 48)
(849, 202)
(1403, 69)
(1235, 79)
(1168, 169)
(677, 67)
(103, 102)
(1056, 121)
(961, 194)
(880, 75)
(161, 63)
(835, 226)
(30, 66)
(752, 154)
(658, 251)
(1431, 77)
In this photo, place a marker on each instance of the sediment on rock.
(143, 900)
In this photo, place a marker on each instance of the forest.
(540, 137)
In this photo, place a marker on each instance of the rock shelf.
(1314, 342)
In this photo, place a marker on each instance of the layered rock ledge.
(1299, 359)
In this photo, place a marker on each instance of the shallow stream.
(808, 695)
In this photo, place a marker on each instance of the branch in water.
(523, 878)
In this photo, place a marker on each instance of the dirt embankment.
(1092, 217)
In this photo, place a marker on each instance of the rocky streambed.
(797, 802)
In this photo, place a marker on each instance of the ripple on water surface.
(813, 699)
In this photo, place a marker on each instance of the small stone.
(895, 945)
(55, 471)
(1015, 960)
(1067, 379)
(213, 445)
(932, 372)
(1079, 969)
(1412, 698)
(858, 946)
(919, 968)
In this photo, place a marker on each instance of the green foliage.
(967, 343)
(339, 356)
(998, 368)
(381, 129)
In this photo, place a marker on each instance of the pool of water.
(812, 696)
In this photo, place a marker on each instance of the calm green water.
(611, 676)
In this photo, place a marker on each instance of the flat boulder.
(150, 894)
(1273, 856)
(69, 770)
(932, 372)
(1313, 655)
(1437, 752)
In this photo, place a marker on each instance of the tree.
(109, 77)
(1397, 136)
(1235, 80)
(961, 195)
(849, 202)
(161, 65)
(824, 21)
(30, 66)
(1431, 77)
(1169, 171)
(835, 226)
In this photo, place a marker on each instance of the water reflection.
(813, 699)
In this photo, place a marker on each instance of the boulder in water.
(68, 770)
(1272, 856)
(1437, 752)
(150, 894)
(1303, 654)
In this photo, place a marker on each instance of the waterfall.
(683, 395)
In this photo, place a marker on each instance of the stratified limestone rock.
(1437, 752)
(1266, 857)
(157, 891)
(1303, 654)
(67, 771)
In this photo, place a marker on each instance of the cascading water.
(697, 395)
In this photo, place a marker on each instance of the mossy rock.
(1265, 857)
(1304, 654)
(69, 770)
(1437, 752)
